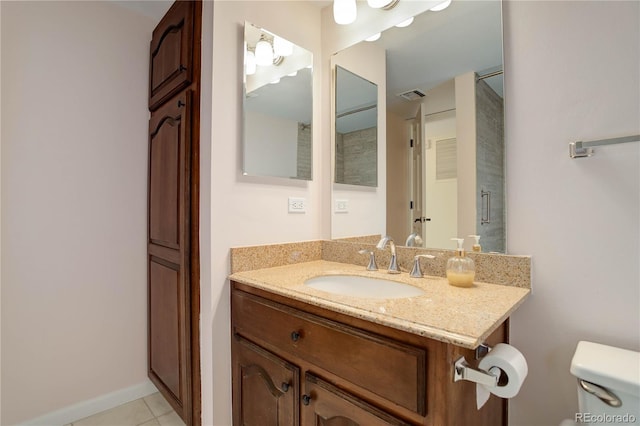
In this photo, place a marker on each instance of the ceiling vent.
(412, 95)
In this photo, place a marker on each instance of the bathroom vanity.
(302, 356)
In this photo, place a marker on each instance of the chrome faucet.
(416, 272)
(393, 264)
(372, 266)
(413, 240)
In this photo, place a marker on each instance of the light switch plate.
(297, 205)
(342, 205)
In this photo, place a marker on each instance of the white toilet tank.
(608, 384)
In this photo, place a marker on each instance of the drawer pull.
(285, 386)
(295, 336)
(306, 399)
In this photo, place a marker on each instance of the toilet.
(608, 385)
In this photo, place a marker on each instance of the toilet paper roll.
(512, 370)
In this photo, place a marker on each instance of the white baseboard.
(93, 406)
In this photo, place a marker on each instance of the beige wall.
(69, 333)
(245, 210)
(74, 173)
(465, 93)
(397, 220)
(572, 72)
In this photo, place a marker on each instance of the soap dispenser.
(461, 270)
(476, 246)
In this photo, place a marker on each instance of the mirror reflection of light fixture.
(282, 47)
(344, 11)
(382, 4)
(405, 23)
(264, 52)
(374, 37)
(441, 6)
(250, 62)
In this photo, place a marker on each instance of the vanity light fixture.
(264, 52)
(374, 37)
(344, 11)
(441, 6)
(405, 23)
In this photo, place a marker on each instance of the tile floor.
(151, 410)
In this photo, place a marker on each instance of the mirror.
(277, 106)
(356, 138)
(444, 93)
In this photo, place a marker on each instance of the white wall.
(245, 210)
(572, 72)
(74, 173)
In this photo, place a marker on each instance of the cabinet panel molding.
(172, 48)
(400, 373)
(267, 387)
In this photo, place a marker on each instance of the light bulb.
(373, 37)
(264, 53)
(441, 6)
(276, 81)
(293, 74)
(405, 23)
(282, 47)
(377, 4)
(251, 63)
(344, 11)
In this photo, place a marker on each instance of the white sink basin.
(356, 286)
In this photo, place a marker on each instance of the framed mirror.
(356, 124)
(277, 106)
(444, 118)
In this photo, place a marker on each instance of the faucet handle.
(416, 272)
(372, 266)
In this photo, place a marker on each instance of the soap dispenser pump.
(476, 246)
(461, 270)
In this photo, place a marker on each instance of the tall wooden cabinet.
(173, 257)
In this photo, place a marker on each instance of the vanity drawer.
(392, 370)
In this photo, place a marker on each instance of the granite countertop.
(461, 316)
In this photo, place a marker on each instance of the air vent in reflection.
(412, 95)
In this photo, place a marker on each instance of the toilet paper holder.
(463, 371)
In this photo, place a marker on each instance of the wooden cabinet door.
(265, 387)
(326, 405)
(169, 253)
(172, 53)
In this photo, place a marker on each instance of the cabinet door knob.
(295, 336)
(182, 68)
(285, 386)
(306, 399)
(181, 104)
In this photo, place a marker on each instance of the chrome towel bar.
(584, 149)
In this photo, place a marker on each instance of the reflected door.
(440, 179)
